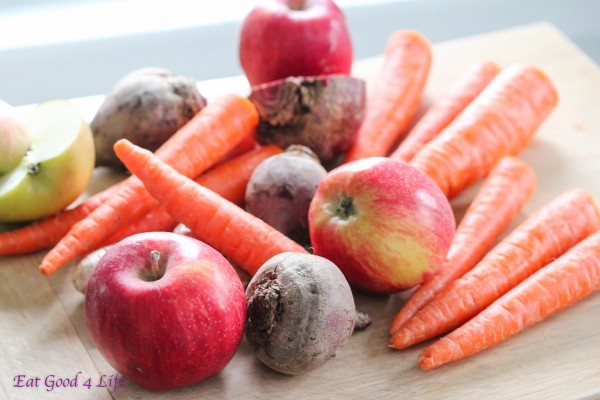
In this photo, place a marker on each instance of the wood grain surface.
(42, 331)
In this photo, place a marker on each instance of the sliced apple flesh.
(55, 170)
(14, 139)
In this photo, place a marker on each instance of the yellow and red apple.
(384, 223)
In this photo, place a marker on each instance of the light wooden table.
(42, 331)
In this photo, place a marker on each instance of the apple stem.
(33, 168)
(345, 208)
(154, 257)
(297, 4)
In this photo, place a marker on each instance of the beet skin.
(300, 312)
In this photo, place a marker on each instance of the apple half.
(56, 168)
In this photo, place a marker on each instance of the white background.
(68, 48)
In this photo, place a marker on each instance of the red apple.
(284, 38)
(384, 223)
(165, 310)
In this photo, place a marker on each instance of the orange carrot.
(245, 239)
(504, 192)
(500, 121)
(446, 108)
(558, 285)
(228, 179)
(199, 144)
(47, 232)
(44, 234)
(157, 220)
(541, 238)
(247, 144)
(395, 96)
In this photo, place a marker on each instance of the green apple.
(55, 170)
(14, 139)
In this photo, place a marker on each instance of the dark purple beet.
(281, 188)
(146, 106)
(300, 312)
(320, 112)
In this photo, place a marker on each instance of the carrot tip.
(400, 341)
(121, 144)
(426, 362)
(47, 270)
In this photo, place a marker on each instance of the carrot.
(199, 144)
(245, 239)
(47, 232)
(503, 194)
(156, 220)
(500, 121)
(541, 238)
(228, 179)
(395, 96)
(446, 108)
(558, 285)
(247, 144)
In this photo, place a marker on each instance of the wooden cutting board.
(43, 335)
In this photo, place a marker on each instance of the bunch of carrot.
(245, 239)
(228, 179)
(490, 292)
(225, 127)
(468, 134)
(509, 185)
(472, 132)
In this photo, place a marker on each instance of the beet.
(281, 188)
(146, 106)
(320, 112)
(300, 312)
